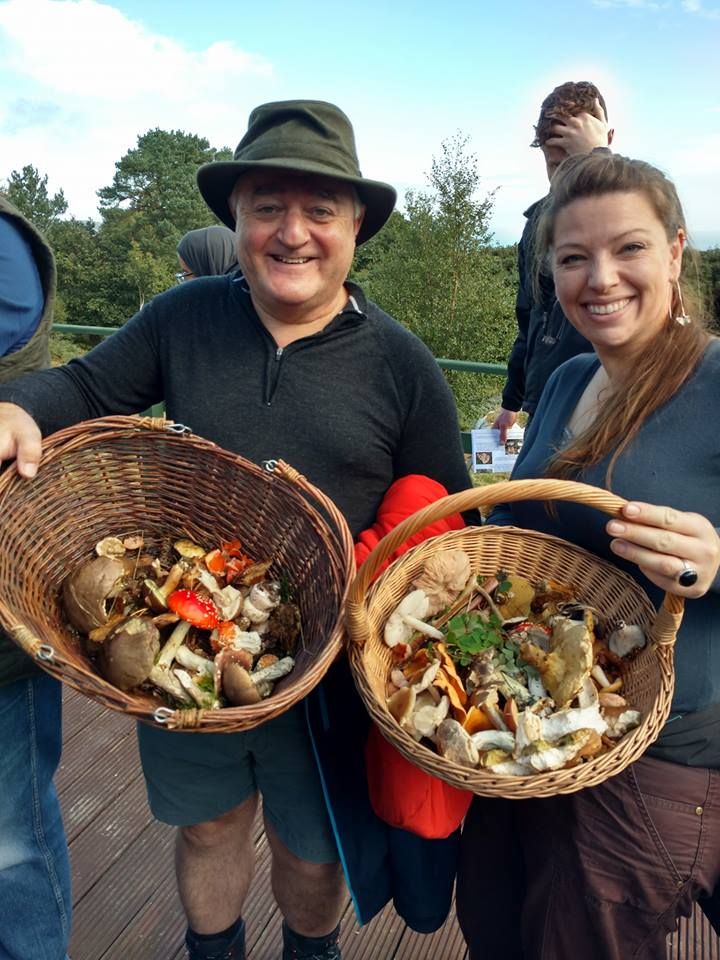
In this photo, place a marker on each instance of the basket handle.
(345, 557)
(668, 616)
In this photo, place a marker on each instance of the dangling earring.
(682, 318)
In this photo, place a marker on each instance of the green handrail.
(466, 366)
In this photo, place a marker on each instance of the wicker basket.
(648, 679)
(129, 474)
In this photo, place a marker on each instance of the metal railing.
(463, 366)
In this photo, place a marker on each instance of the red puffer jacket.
(400, 793)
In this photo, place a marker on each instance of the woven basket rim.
(318, 511)
(479, 781)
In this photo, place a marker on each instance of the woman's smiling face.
(614, 268)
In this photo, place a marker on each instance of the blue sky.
(80, 80)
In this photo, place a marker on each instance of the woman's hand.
(664, 543)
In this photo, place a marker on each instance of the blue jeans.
(34, 870)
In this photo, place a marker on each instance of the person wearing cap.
(206, 252)
(573, 120)
(35, 901)
(285, 359)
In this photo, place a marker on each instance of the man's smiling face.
(295, 237)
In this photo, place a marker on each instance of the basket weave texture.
(648, 679)
(123, 475)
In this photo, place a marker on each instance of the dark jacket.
(545, 337)
(14, 664)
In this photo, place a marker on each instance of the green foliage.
(468, 634)
(28, 191)
(703, 271)
(153, 200)
(156, 180)
(108, 270)
(64, 347)
(434, 270)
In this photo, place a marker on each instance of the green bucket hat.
(307, 136)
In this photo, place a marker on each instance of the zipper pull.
(279, 352)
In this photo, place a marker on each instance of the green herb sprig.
(468, 634)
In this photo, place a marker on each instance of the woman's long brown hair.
(670, 359)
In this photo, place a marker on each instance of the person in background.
(35, 901)
(207, 252)
(604, 873)
(285, 359)
(573, 120)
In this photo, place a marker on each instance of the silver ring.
(687, 576)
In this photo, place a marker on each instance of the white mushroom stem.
(173, 578)
(201, 698)
(423, 627)
(193, 661)
(490, 602)
(397, 629)
(276, 670)
(166, 680)
(172, 645)
(597, 673)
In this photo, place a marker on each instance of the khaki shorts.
(195, 777)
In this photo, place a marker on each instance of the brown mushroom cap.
(238, 686)
(128, 655)
(87, 589)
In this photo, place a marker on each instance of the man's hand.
(504, 420)
(582, 133)
(20, 439)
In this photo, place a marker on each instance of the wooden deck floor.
(125, 904)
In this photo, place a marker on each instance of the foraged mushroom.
(238, 686)
(455, 744)
(110, 547)
(87, 590)
(564, 669)
(402, 703)
(443, 577)
(263, 597)
(397, 628)
(161, 674)
(626, 638)
(155, 595)
(128, 655)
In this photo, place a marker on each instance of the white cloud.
(90, 80)
(695, 6)
(643, 4)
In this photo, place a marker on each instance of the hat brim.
(217, 180)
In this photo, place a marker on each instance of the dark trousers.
(602, 874)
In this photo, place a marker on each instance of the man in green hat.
(285, 358)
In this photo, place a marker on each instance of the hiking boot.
(227, 946)
(297, 947)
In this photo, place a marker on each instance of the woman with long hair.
(605, 873)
